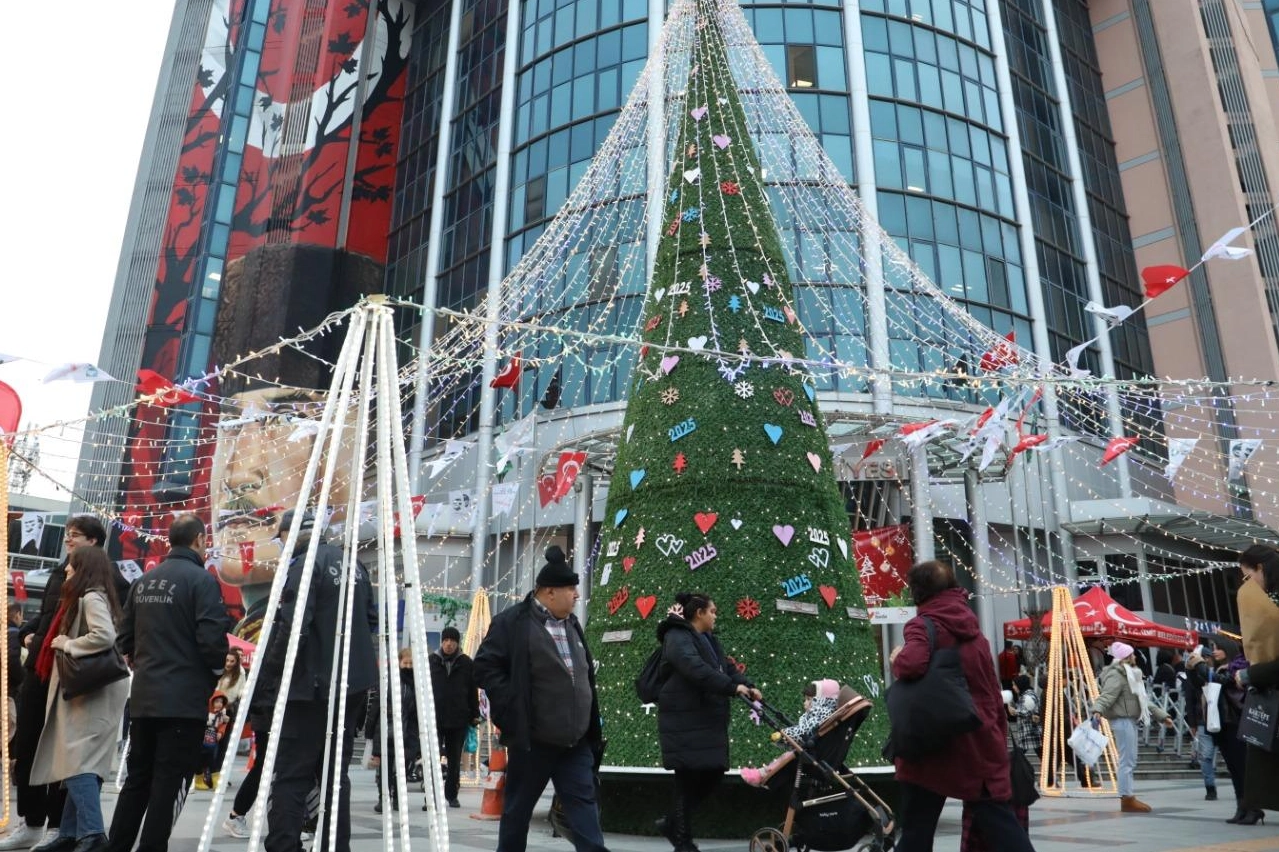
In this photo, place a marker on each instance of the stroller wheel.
(768, 840)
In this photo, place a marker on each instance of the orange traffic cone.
(494, 787)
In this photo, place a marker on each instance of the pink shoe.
(752, 776)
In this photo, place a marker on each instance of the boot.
(1240, 813)
(1133, 805)
(1211, 795)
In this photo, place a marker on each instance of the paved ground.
(1182, 822)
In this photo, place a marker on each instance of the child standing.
(214, 730)
(821, 699)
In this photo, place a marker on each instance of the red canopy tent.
(1100, 616)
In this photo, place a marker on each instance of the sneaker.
(22, 837)
(236, 826)
(308, 836)
(53, 841)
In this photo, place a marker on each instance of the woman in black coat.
(693, 710)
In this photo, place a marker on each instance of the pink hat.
(1119, 650)
(827, 688)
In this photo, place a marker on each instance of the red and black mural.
(312, 210)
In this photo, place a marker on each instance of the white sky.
(76, 114)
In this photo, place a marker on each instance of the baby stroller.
(830, 808)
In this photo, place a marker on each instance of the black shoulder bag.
(927, 713)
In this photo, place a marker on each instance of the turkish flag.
(150, 383)
(10, 409)
(1116, 448)
(546, 489)
(1161, 279)
(873, 447)
(1001, 355)
(1024, 444)
(566, 473)
(19, 586)
(416, 503)
(883, 556)
(508, 376)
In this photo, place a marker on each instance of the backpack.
(652, 677)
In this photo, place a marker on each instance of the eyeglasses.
(73, 534)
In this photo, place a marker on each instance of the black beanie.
(556, 573)
(450, 633)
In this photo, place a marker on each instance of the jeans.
(82, 814)
(162, 758)
(1207, 756)
(572, 771)
(921, 809)
(1125, 731)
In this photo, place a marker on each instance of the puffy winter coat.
(693, 706)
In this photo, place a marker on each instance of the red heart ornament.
(784, 396)
(546, 489)
(628, 562)
(829, 594)
(705, 520)
(645, 605)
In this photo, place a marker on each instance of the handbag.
(1212, 712)
(82, 675)
(1260, 713)
(926, 714)
(1022, 776)
(1088, 743)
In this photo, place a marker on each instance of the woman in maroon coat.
(974, 767)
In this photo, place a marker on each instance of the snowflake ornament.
(670, 396)
(748, 608)
(744, 389)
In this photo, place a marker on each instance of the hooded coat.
(693, 706)
(974, 765)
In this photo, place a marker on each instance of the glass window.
(830, 68)
(874, 33)
(829, 28)
(888, 171)
(883, 119)
(801, 66)
(879, 75)
(916, 173)
(910, 125)
(799, 25)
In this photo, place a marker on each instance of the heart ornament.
(753, 286)
(669, 544)
(697, 344)
(721, 141)
(816, 461)
(620, 516)
(784, 533)
(829, 594)
(774, 432)
(658, 294)
(705, 520)
(645, 605)
(699, 113)
(628, 562)
(843, 546)
(737, 523)
(669, 363)
(693, 175)
(637, 476)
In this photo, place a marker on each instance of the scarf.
(1138, 686)
(44, 661)
(1259, 619)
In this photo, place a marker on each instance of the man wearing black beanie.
(540, 680)
(457, 704)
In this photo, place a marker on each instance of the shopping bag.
(1212, 711)
(1260, 713)
(1087, 743)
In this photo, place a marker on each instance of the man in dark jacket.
(41, 802)
(457, 704)
(540, 680)
(318, 621)
(173, 632)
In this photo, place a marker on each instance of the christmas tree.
(724, 480)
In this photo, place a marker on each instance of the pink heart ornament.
(668, 363)
(784, 533)
(816, 461)
(699, 113)
(721, 141)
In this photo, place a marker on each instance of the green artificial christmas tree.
(724, 481)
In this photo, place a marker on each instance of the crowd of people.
(70, 666)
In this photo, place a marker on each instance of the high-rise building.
(985, 136)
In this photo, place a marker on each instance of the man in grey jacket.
(173, 632)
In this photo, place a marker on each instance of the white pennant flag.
(517, 436)
(993, 443)
(1179, 449)
(1113, 316)
(1241, 449)
(33, 527)
(1054, 443)
(8, 359)
(453, 450)
(1222, 248)
(926, 432)
(504, 496)
(1072, 358)
(78, 373)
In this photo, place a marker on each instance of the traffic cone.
(494, 787)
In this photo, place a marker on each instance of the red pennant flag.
(508, 376)
(1116, 448)
(19, 586)
(1024, 444)
(873, 447)
(566, 472)
(546, 490)
(1021, 421)
(1001, 355)
(416, 503)
(1161, 279)
(981, 421)
(151, 383)
(10, 409)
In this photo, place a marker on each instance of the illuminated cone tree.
(724, 480)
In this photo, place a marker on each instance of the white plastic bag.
(1212, 713)
(1087, 743)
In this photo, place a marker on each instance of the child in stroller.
(830, 808)
(821, 699)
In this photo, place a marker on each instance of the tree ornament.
(748, 608)
(744, 389)
(670, 396)
(680, 463)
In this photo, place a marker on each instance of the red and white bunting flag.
(166, 393)
(570, 465)
(78, 373)
(1002, 354)
(508, 376)
(916, 434)
(1113, 316)
(1161, 279)
(1116, 448)
(1179, 449)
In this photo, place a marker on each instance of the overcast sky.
(77, 105)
